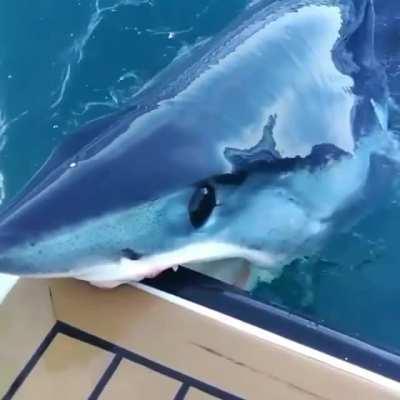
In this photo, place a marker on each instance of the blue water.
(64, 63)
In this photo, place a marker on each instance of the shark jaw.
(110, 275)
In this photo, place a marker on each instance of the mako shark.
(257, 146)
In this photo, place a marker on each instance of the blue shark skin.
(253, 147)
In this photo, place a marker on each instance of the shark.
(244, 154)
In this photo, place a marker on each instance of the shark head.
(266, 215)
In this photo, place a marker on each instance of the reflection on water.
(318, 90)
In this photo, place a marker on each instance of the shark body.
(255, 146)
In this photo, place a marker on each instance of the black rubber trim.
(238, 304)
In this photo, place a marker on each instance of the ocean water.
(65, 63)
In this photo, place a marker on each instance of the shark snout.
(12, 245)
(11, 238)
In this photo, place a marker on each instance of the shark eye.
(201, 205)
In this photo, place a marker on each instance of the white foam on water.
(167, 32)
(5, 125)
(7, 282)
(64, 83)
(129, 75)
(84, 108)
(3, 128)
(101, 9)
(2, 188)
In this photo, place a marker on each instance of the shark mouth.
(113, 274)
